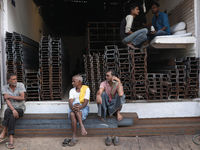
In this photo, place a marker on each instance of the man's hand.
(76, 107)
(15, 114)
(6, 96)
(154, 32)
(99, 99)
(116, 79)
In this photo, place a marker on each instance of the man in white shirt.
(78, 109)
(130, 38)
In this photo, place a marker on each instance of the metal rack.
(100, 34)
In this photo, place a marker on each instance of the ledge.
(172, 42)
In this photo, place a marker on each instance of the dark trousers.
(9, 120)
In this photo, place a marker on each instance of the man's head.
(109, 75)
(134, 9)
(12, 79)
(155, 8)
(77, 80)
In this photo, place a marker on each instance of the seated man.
(78, 109)
(110, 97)
(130, 38)
(160, 23)
(14, 96)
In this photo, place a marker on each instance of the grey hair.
(78, 77)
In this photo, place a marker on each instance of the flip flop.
(66, 142)
(9, 144)
(3, 139)
(72, 142)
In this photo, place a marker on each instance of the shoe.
(116, 141)
(108, 141)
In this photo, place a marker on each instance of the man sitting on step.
(110, 97)
(13, 94)
(78, 109)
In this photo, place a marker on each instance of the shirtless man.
(110, 97)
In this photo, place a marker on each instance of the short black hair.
(113, 73)
(155, 3)
(133, 6)
(10, 75)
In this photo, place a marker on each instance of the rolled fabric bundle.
(180, 32)
(178, 27)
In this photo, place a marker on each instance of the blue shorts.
(85, 112)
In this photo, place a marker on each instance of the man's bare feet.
(119, 116)
(83, 131)
(101, 118)
(131, 45)
(146, 43)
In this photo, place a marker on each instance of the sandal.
(3, 139)
(66, 142)
(108, 141)
(9, 144)
(116, 140)
(72, 142)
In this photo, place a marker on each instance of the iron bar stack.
(139, 74)
(56, 72)
(123, 59)
(9, 52)
(192, 77)
(45, 68)
(110, 57)
(89, 71)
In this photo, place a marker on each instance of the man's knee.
(72, 114)
(145, 30)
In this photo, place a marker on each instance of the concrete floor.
(166, 142)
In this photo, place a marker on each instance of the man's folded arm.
(21, 97)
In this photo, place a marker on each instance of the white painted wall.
(143, 109)
(25, 19)
(168, 5)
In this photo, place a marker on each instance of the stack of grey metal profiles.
(50, 68)
(23, 59)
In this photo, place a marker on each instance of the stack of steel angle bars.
(50, 68)
(158, 86)
(56, 72)
(89, 71)
(110, 57)
(22, 57)
(125, 71)
(192, 77)
(139, 76)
